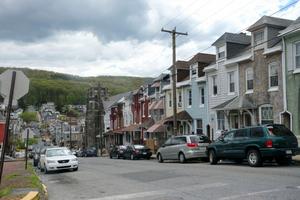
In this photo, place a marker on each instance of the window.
(258, 38)
(190, 97)
(240, 133)
(214, 84)
(170, 100)
(297, 55)
(256, 132)
(179, 99)
(199, 127)
(194, 70)
(221, 52)
(249, 79)
(273, 74)
(221, 120)
(266, 114)
(202, 97)
(231, 82)
(179, 140)
(228, 136)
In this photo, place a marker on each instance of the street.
(112, 179)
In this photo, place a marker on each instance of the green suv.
(256, 144)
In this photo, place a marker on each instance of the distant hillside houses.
(251, 79)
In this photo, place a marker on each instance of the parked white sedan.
(58, 158)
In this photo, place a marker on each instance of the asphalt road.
(111, 179)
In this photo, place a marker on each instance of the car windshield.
(122, 147)
(280, 131)
(58, 152)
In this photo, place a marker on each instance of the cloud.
(31, 20)
(110, 37)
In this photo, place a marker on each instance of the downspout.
(284, 76)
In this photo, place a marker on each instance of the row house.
(291, 76)
(250, 80)
(222, 81)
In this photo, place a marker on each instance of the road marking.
(249, 194)
(160, 192)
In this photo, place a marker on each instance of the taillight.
(269, 143)
(192, 145)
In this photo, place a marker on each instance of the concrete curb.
(31, 196)
(45, 191)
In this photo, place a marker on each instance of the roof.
(180, 64)
(183, 115)
(271, 21)
(293, 27)
(160, 77)
(203, 58)
(239, 38)
(132, 127)
(114, 99)
(236, 103)
(158, 127)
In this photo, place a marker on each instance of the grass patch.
(34, 179)
(5, 191)
(11, 176)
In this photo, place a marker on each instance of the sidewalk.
(17, 182)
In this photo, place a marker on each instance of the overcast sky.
(120, 37)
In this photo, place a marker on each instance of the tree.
(29, 117)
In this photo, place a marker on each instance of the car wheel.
(160, 158)
(45, 170)
(110, 156)
(254, 158)
(181, 158)
(213, 160)
(131, 157)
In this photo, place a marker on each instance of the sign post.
(13, 85)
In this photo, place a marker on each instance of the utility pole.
(174, 80)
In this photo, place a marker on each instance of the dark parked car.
(137, 151)
(256, 144)
(89, 152)
(117, 151)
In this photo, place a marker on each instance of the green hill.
(62, 89)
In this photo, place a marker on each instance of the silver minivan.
(183, 147)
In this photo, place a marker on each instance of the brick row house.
(251, 79)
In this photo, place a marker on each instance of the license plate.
(144, 153)
(288, 151)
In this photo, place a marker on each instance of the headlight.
(50, 161)
(74, 159)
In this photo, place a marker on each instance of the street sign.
(21, 85)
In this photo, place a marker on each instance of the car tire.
(110, 156)
(160, 158)
(131, 157)
(254, 158)
(213, 160)
(45, 170)
(181, 158)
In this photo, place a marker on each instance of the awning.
(146, 124)
(236, 103)
(158, 127)
(132, 127)
(181, 116)
(152, 105)
(118, 131)
(156, 84)
(159, 105)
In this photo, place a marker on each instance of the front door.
(224, 146)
